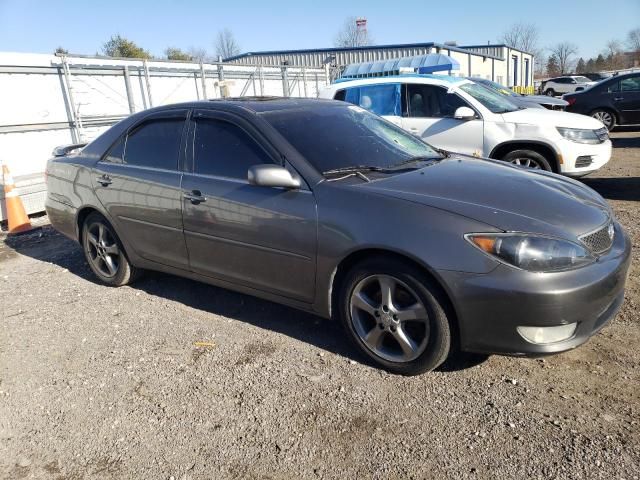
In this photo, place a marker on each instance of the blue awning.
(434, 62)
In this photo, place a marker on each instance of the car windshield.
(335, 137)
(497, 87)
(495, 102)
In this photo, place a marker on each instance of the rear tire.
(528, 159)
(607, 117)
(395, 315)
(550, 92)
(104, 252)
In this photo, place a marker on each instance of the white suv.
(461, 116)
(567, 84)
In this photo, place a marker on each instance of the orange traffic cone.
(18, 220)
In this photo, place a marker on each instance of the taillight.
(571, 100)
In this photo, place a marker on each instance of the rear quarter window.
(379, 99)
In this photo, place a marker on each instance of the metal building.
(501, 63)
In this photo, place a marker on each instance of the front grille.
(603, 134)
(601, 240)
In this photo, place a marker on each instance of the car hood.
(546, 118)
(501, 195)
(544, 99)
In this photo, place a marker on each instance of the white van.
(461, 116)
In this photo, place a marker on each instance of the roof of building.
(453, 48)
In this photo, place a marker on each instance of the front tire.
(104, 252)
(607, 117)
(528, 159)
(395, 315)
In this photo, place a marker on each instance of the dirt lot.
(112, 383)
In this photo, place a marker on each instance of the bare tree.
(633, 42)
(523, 36)
(198, 54)
(613, 53)
(564, 52)
(226, 45)
(352, 36)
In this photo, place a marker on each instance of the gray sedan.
(328, 208)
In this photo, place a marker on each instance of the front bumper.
(491, 306)
(600, 155)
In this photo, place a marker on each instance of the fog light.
(544, 335)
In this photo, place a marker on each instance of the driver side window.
(431, 101)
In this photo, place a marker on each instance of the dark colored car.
(325, 207)
(615, 101)
(596, 77)
(524, 101)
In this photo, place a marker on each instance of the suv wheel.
(528, 159)
(605, 116)
(395, 316)
(104, 253)
(550, 92)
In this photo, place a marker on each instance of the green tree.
(591, 66)
(553, 68)
(118, 46)
(600, 63)
(61, 51)
(580, 66)
(173, 53)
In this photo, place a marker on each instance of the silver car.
(325, 207)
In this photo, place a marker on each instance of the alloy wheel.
(605, 117)
(526, 162)
(389, 318)
(102, 249)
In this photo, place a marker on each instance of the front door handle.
(195, 197)
(617, 99)
(104, 180)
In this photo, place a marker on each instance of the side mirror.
(268, 175)
(464, 113)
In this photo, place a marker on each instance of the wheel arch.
(544, 149)
(616, 116)
(354, 257)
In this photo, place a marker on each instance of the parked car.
(525, 101)
(615, 101)
(566, 84)
(461, 116)
(597, 76)
(328, 208)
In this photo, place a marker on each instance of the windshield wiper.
(356, 169)
(417, 159)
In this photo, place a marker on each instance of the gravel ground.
(174, 379)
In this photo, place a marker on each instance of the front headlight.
(532, 252)
(580, 135)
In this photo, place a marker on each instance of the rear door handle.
(195, 197)
(617, 99)
(104, 180)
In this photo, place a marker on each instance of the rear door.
(429, 114)
(383, 99)
(627, 100)
(260, 237)
(138, 183)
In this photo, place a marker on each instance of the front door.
(260, 237)
(429, 115)
(138, 184)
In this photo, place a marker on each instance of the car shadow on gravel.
(50, 246)
(616, 188)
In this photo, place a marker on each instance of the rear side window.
(116, 152)
(379, 99)
(155, 143)
(631, 84)
(223, 149)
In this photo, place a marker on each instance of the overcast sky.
(83, 26)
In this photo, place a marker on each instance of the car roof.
(402, 78)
